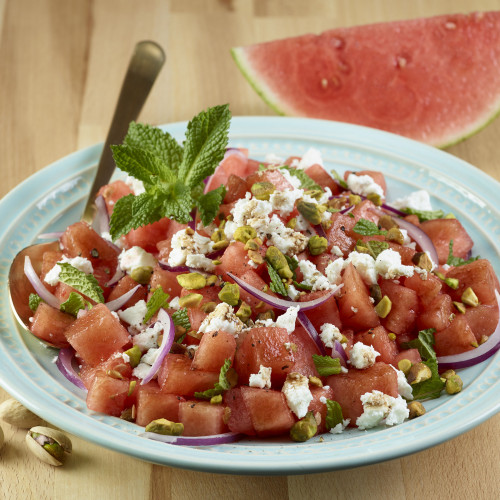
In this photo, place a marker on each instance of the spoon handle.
(145, 65)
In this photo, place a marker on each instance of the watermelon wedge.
(436, 80)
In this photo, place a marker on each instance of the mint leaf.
(305, 181)
(423, 343)
(339, 179)
(81, 282)
(302, 286)
(208, 204)
(34, 301)
(326, 365)
(157, 300)
(431, 388)
(333, 414)
(220, 386)
(458, 261)
(157, 142)
(121, 221)
(367, 228)
(73, 304)
(424, 215)
(276, 285)
(374, 247)
(205, 144)
(181, 318)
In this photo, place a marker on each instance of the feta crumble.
(80, 263)
(364, 185)
(362, 356)
(199, 261)
(379, 409)
(148, 339)
(288, 319)
(311, 157)
(334, 271)
(135, 185)
(297, 393)
(222, 318)
(337, 251)
(261, 379)
(134, 315)
(284, 201)
(329, 334)
(134, 258)
(404, 388)
(365, 265)
(418, 200)
(388, 265)
(312, 277)
(184, 243)
(339, 428)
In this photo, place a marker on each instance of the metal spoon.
(144, 66)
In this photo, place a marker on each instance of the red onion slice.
(340, 351)
(282, 304)
(177, 269)
(119, 274)
(319, 230)
(166, 344)
(65, 364)
(101, 219)
(481, 353)
(50, 236)
(347, 210)
(420, 237)
(309, 327)
(116, 304)
(393, 210)
(39, 287)
(228, 437)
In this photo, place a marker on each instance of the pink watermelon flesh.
(436, 80)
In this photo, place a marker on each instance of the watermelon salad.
(303, 303)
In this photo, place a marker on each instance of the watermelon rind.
(275, 101)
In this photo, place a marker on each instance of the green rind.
(239, 57)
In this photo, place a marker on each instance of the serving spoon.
(144, 66)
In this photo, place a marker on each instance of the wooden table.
(61, 65)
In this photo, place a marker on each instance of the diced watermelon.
(239, 419)
(455, 339)
(442, 231)
(50, 324)
(200, 418)
(365, 210)
(49, 260)
(356, 309)
(236, 261)
(302, 355)
(114, 363)
(319, 408)
(97, 335)
(349, 387)
(406, 253)
(153, 404)
(167, 280)
(379, 338)
(147, 236)
(176, 376)
(264, 346)
(338, 234)
(107, 395)
(328, 312)
(196, 314)
(268, 410)
(411, 354)
(213, 350)
(404, 309)
(125, 285)
(113, 192)
(273, 176)
(320, 176)
(236, 188)
(482, 319)
(436, 314)
(426, 289)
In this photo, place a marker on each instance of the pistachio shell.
(58, 436)
(2, 439)
(14, 413)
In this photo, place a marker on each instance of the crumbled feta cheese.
(229, 229)
(365, 265)
(250, 208)
(323, 400)
(150, 356)
(292, 179)
(311, 157)
(312, 277)
(115, 314)
(379, 408)
(141, 370)
(333, 271)
(284, 201)
(297, 393)
(199, 261)
(404, 388)
(273, 159)
(148, 339)
(337, 251)
(125, 357)
(418, 200)
(293, 293)
(364, 185)
(339, 428)
(406, 239)
(80, 263)
(135, 185)
(222, 318)
(434, 264)
(422, 272)
(134, 315)
(329, 334)
(301, 224)
(134, 258)
(388, 265)
(285, 239)
(183, 244)
(261, 379)
(174, 303)
(288, 319)
(362, 356)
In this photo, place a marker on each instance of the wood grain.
(61, 66)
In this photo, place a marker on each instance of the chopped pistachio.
(269, 314)
(230, 294)
(195, 334)
(387, 222)
(416, 409)
(216, 400)
(419, 373)
(292, 223)
(212, 279)
(190, 300)
(317, 244)
(447, 374)
(244, 233)
(310, 211)
(208, 307)
(131, 387)
(395, 234)
(459, 306)
(127, 414)
(304, 429)
(469, 297)
(422, 260)
(189, 231)
(451, 282)
(134, 354)
(251, 245)
(166, 427)
(217, 262)
(315, 381)
(262, 190)
(392, 336)
(484, 338)
(279, 262)
(192, 281)
(219, 245)
(114, 374)
(218, 235)
(256, 257)
(244, 312)
(354, 199)
(141, 274)
(450, 216)
(314, 193)
(454, 384)
(404, 365)
(361, 247)
(383, 308)
(374, 198)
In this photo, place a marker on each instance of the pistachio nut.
(354, 199)
(2, 439)
(142, 274)
(469, 298)
(192, 281)
(262, 190)
(166, 427)
(49, 445)
(310, 211)
(404, 365)
(220, 245)
(14, 413)
(460, 307)
(292, 223)
(244, 312)
(383, 308)
(374, 198)
(315, 381)
(416, 409)
(244, 233)
(304, 429)
(376, 293)
(134, 355)
(317, 244)
(190, 300)
(279, 262)
(264, 316)
(422, 260)
(208, 307)
(418, 373)
(395, 234)
(454, 384)
(387, 222)
(230, 294)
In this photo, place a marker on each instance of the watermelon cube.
(213, 350)
(328, 312)
(320, 176)
(200, 418)
(108, 395)
(153, 404)
(436, 314)
(379, 338)
(125, 285)
(404, 309)
(455, 339)
(239, 420)
(306, 347)
(482, 319)
(338, 234)
(50, 324)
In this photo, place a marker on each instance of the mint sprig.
(34, 301)
(424, 215)
(366, 227)
(172, 174)
(458, 261)
(305, 181)
(276, 285)
(73, 304)
(181, 318)
(157, 300)
(326, 365)
(81, 282)
(220, 386)
(424, 343)
(334, 414)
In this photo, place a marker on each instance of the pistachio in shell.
(2, 439)
(49, 445)
(14, 413)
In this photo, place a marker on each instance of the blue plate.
(53, 198)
